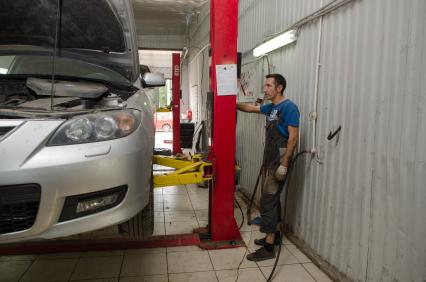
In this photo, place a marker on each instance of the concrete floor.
(177, 210)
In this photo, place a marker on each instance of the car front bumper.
(64, 171)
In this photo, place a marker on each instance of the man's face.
(270, 88)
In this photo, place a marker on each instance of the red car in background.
(163, 121)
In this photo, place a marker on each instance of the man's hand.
(248, 108)
(281, 172)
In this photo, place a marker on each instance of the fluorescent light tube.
(275, 43)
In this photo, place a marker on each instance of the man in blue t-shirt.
(282, 133)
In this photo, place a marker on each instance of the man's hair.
(279, 80)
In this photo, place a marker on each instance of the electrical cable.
(269, 65)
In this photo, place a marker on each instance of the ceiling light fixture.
(275, 43)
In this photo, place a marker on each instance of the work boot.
(261, 242)
(261, 254)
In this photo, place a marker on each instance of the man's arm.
(291, 145)
(248, 108)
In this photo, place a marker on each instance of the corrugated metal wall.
(363, 209)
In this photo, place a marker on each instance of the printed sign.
(226, 77)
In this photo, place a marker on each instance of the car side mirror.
(150, 79)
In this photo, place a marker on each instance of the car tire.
(142, 224)
(166, 127)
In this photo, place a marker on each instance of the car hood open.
(101, 32)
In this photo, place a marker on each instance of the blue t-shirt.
(288, 112)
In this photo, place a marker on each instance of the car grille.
(18, 207)
(5, 129)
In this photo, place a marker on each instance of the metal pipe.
(314, 114)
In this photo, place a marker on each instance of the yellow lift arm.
(187, 171)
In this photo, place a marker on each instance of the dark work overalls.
(270, 206)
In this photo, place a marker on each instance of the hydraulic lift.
(188, 171)
(218, 170)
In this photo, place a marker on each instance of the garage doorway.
(164, 119)
(160, 61)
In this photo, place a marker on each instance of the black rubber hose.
(242, 213)
(252, 196)
(290, 167)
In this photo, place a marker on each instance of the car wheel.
(142, 224)
(166, 127)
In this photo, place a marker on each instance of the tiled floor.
(177, 210)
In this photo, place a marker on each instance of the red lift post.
(223, 40)
(176, 102)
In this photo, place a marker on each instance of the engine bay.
(33, 96)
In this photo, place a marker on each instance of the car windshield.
(89, 45)
(89, 25)
(42, 66)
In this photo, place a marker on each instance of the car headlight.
(96, 127)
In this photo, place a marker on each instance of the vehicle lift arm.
(187, 172)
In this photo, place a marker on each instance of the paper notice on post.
(226, 77)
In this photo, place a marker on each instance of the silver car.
(76, 154)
